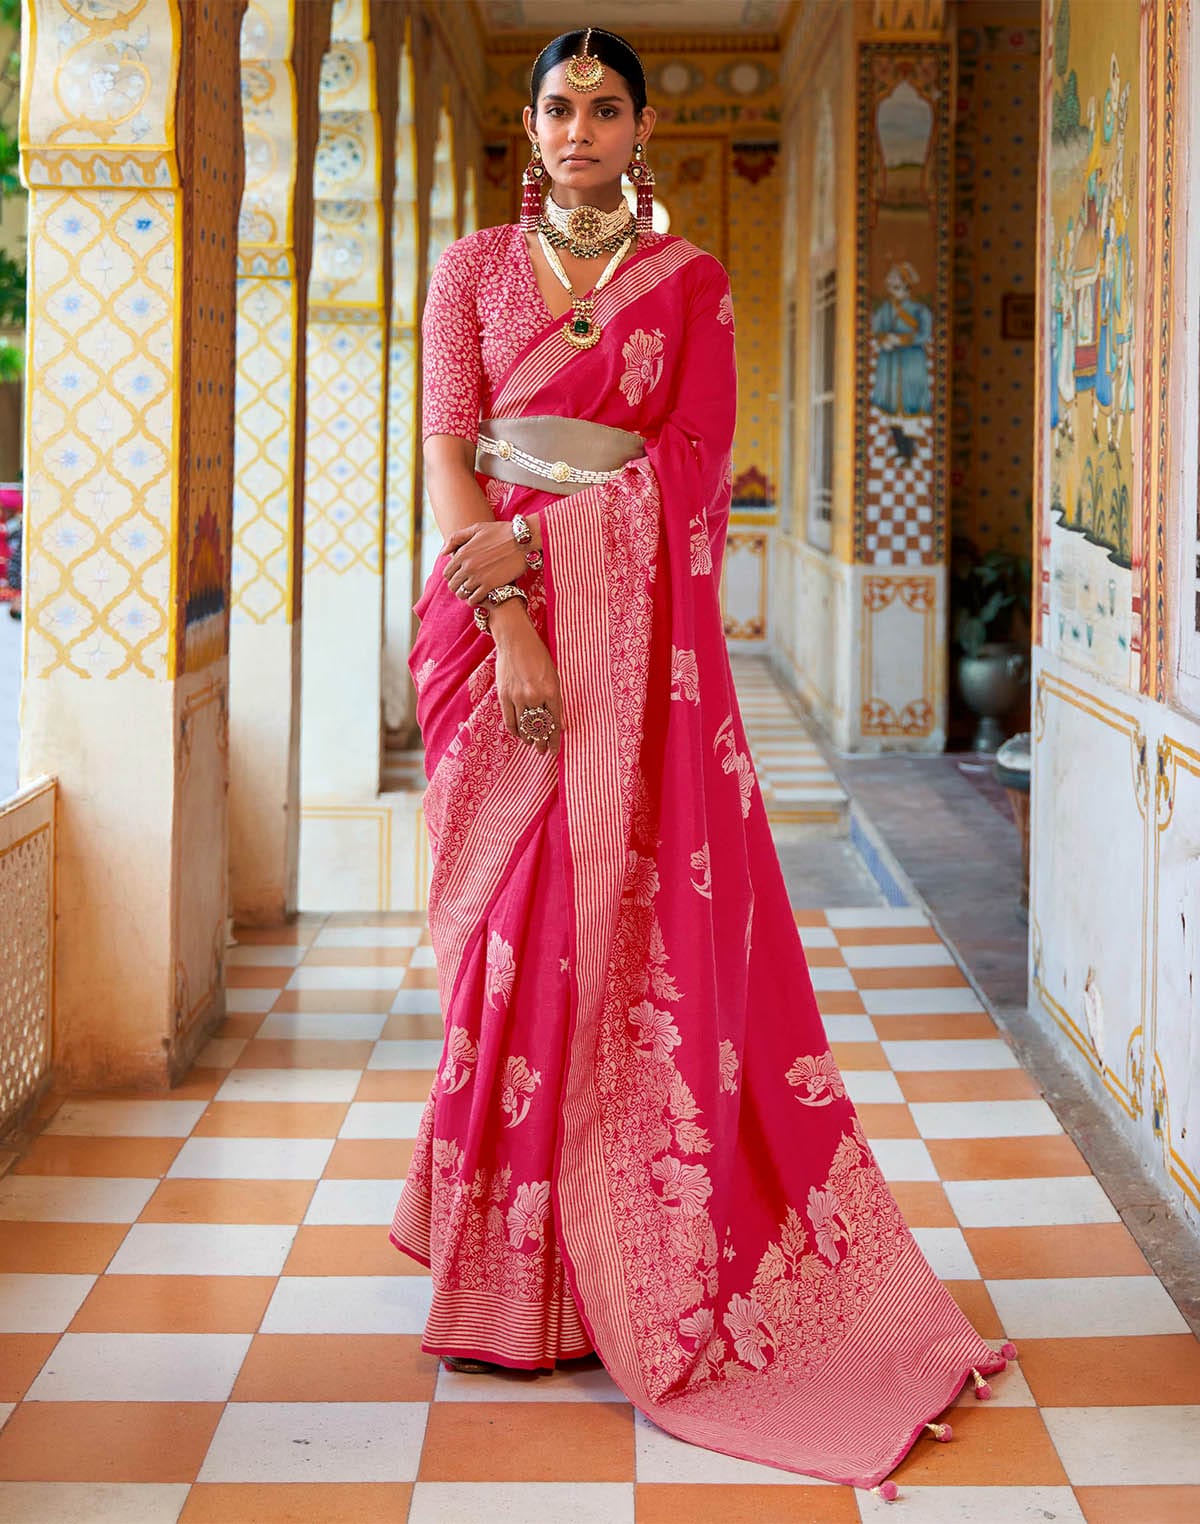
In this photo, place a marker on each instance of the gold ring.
(536, 724)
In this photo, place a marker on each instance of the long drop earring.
(642, 177)
(534, 183)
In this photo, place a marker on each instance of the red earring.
(534, 183)
(642, 177)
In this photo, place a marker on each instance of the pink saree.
(638, 1141)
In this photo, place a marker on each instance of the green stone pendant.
(582, 331)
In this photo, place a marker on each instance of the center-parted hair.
(612, 51)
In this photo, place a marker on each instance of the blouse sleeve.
(451, 365)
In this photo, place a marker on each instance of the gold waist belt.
(554, 454)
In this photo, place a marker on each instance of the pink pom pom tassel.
(983, 1392)
(888, 1491)
(1009, 1350)
(942, 1432)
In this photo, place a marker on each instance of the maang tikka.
(534, 183)
(642, 177)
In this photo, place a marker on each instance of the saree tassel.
(1009, 1350)
(983, 1392)
(533, 182)
(888, 1491)
(942, 1432)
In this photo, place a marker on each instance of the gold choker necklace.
(585, 231)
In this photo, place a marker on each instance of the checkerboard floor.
(798, 785)
(201, 1318)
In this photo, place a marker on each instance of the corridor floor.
(202, 1319)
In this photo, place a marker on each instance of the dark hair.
(607, 47)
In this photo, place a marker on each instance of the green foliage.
(10, 13)
(12, 360)
(989, 595)
(1065, 123)
(1062, 37)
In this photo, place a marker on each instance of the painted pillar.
(131, 149)
(281, 49)
(342, 641)
(403, 477)
(904, 96)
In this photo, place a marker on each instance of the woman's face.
(586, 137)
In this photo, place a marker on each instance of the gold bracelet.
(496, 597)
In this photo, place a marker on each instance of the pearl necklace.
(586, 230)
(581, 329)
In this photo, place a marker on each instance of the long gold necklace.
(581, 328)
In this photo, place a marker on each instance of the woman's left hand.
(483, 557)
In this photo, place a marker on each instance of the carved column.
(131, 149)
(282, 45)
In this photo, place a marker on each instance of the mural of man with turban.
(903, 327)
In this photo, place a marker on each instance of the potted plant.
(990, 602)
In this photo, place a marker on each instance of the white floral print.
(657, 1033)
(516, 1093)
(701, 551)
(459, 1063)
(725, 310)
(729, 1066)
(816, 1077)
(685, 676)
(824, 1210)
(702, 867)
(501, 969)
(421, 675)
(685, 1187)
(735, 761)
(641, 878)
(528, 1214)
(643, 356)
(747, 1322)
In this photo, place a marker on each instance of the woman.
(637, 1142)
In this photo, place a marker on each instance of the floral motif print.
(682, 1111)
(661, 982)
(702, 867)
(643, 356)
(528, 1215)
(729, 1066)
(735, 761)
(816, 1076)
(459, 1063)
(685, 676)
(725, 310)
(823, 1212)
(641, 878)
(747, 1323)
(700, 549)
(657, 1033)
(421, 675)
(697, 1326)
(501, 969)
(516, 1093)
(685, 1187)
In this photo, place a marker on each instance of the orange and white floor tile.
(201, 1319)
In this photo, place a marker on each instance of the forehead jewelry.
(585, 71)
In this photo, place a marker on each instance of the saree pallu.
(638, 1140)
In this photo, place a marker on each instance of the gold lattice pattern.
(343, 495)
(263, 449)
(25, 887)
(100, 430)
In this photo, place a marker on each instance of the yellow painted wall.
(715, 153)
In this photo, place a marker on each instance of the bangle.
(521, 530)
(496, 597)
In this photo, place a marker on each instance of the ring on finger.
(536, 724)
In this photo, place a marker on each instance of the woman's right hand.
(525, 674)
